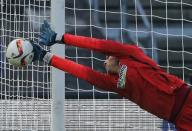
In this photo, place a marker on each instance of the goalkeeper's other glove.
(39, 52)
(47, 35)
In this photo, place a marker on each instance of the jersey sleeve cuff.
(59, 38)
(47, 58)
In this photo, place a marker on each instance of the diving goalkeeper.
(130, 73)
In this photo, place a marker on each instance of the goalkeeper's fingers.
(43, 40)
(45, 27)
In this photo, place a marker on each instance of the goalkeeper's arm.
(102, 80)
(111, 48)
(108, 47)
(48, 37)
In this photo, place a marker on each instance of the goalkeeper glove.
(47, 35)
(39, 52)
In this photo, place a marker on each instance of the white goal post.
(58, 77)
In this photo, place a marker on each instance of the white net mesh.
(160, 27)
(24, 92)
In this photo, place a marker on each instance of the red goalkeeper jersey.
(146, 84)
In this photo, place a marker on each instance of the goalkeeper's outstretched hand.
(47, 35)
(39, 52)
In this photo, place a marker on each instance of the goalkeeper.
(130, 73)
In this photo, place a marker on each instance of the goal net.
(160, 27)
(24, 92)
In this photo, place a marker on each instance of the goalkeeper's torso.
(149, 86)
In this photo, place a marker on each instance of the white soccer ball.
(20, 52)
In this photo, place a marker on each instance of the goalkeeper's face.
(111, 64)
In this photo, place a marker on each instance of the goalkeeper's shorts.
(184, 119)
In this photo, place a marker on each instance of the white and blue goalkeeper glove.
(39, 52)
(47, 35)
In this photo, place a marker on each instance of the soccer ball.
(20, 52)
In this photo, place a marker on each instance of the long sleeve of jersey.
(107, 47)
(101, 80)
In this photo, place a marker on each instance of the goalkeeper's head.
(112, 65)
